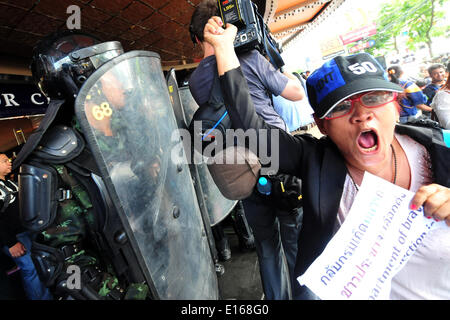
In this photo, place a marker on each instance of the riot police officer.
(62, 206)
(117, 206)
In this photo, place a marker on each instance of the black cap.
(342, 77)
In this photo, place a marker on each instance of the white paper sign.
(376, 240)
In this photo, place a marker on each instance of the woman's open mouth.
(368, 141)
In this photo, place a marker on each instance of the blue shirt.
(262, 79)
(296, 114)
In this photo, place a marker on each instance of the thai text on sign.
(376, 240)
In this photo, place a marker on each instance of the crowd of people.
(378, 121)
(418, 98)
(368, 123)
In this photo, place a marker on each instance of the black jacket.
(10, 224)
(320, 165)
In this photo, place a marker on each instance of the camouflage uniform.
(73, 227)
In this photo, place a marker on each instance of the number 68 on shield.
(102, 111)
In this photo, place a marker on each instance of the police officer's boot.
(242, 229)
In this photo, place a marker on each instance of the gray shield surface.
(218, 206)
(126, 115)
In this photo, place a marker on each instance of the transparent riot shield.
(218, 206)
(126, 115)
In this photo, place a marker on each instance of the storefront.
(22, 106)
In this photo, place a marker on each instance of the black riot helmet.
(63, 61)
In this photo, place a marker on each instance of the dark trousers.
(276, 238)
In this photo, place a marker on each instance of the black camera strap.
(269, 47)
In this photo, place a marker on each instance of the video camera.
(252, 33)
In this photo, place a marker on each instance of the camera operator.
(267, 222)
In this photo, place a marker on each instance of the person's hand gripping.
(223, 42)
